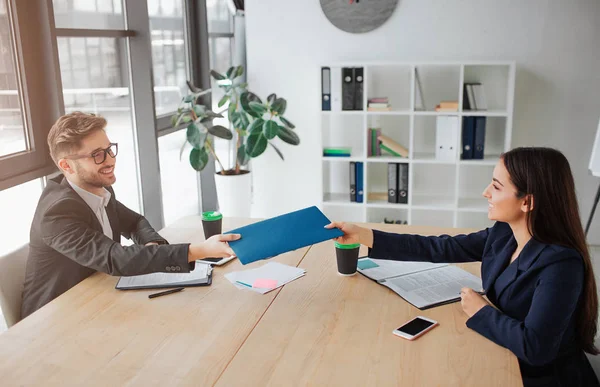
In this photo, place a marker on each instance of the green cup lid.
(212, 215)
(346, 247)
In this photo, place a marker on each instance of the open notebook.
(423, 284)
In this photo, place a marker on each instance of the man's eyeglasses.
(99, 155)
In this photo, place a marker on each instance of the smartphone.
(415, 328)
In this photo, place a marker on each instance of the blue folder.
(288, 232)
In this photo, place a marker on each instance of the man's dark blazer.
(537, 297)
(67, 245)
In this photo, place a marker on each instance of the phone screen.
(415, 326)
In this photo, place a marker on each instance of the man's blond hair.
(67, 132)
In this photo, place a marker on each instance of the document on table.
(423, 284)
(200, 276)
(265, 278)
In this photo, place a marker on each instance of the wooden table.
(322, 329)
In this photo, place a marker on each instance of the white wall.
(555, 44)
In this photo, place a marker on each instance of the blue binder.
(468, 138)
(359, 182)
(479, 138)
(281, 234)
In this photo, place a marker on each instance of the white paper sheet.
(281, 273)
(388, 268)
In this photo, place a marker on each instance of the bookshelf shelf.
(441, 191)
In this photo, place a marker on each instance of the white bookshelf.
(444, 193)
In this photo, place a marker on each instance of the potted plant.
(255, 124)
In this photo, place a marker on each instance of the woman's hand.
(471, 301)
(216, 246)
(352, 233)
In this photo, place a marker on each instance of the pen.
(165, 292)
(241, 283)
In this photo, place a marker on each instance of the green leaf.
(221, 132)
(188, 98)
(231, 109)
(279, 106)
(256, 144)
(258, 108)
(200, 110)
(245, 99)
(239, 71)
(223, 100)
(217, 76)
(270, 129)
(242, 156)
(195, 137)
(277, 150)
(235, 119)
(174, 119)
(287, 123)
(245, 121)
(242, 85)
(256, 126)
(193, 88)
(271, 98)
(289, 136)
(206, 120)
(211, 114)
(198, 159)
(231, 72)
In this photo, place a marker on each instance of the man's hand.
(471, 301)
(216, 246)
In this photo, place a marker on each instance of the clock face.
(358, 16)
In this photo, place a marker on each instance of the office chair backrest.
(12, 277)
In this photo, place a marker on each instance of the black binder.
(468, 138)
(325, 88)
(352, 181)
(347, 88)
(358, 88)
(392, 183)
(402, 183)
(479, 138)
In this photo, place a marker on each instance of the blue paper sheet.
(288, 232)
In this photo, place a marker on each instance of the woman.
(535, 268)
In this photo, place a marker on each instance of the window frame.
(36, 68)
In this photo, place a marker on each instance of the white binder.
(446, 138)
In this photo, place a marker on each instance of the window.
(13, 137)
(26, 114)
(18, 204)
(89, 14)
(178, 179)
(95, 80)
(220, 35)
(169, 58)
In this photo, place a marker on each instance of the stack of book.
(474, 97)
(378, 143)
(378, 104)
(447, 106)
(337, 152)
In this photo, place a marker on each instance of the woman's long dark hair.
(545, 174)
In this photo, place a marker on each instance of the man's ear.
(65, 166)
(527, 203)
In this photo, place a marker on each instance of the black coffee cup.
(211, 223)
(347, 258)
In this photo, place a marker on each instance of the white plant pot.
(235, 194)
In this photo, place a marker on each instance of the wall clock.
(358, 16)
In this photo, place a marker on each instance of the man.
(78, 222)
